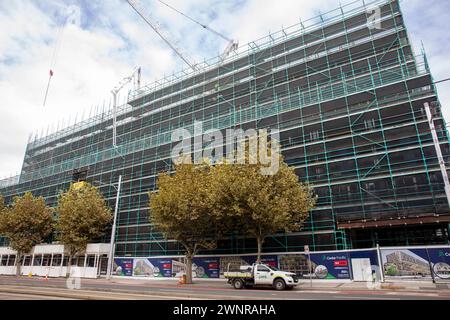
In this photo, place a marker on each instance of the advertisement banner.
(330, 265)
(152, 268)
(201, 267)
(440, 262)
(206, 267)
(406, 263)
(321, 266)
(416, 263)
(123, 267)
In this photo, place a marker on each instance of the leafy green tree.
(26, 223)
(260, 205)
(181, 210)
(82, 216)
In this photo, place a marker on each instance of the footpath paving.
(440, 285)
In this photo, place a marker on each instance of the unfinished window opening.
(79, 175)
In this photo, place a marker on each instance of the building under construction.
(348, 94)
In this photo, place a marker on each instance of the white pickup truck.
(261, 275)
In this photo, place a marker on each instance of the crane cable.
(195, 21)
(56, 49)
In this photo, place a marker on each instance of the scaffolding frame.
(346, 98)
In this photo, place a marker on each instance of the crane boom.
(140, 10)
(233, 45)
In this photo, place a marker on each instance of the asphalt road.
(102, 289)
(24, 296)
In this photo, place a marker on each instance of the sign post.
(306, 249)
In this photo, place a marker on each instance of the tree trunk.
(260, 244)
(69, 265)
(18, 264)
(188, 269)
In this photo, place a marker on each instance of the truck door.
(262, 275)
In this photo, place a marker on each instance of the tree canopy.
(260, 205)
(200, 203)
(26, 223)
(181, 209)
(82, 216)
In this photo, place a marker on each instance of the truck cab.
(261, 275)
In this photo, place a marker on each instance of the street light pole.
(113, 231)
(437, 147)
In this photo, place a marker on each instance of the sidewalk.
(387, 285)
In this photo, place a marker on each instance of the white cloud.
(112, 40)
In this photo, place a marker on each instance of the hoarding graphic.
(153, 268)
(330, 265)
(206, 267)
(416, 263)
(123, 267)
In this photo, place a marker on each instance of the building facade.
(347, 93)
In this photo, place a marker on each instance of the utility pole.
(113, 232)
(437, 147)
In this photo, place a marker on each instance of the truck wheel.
(238, 284)
(279, 284)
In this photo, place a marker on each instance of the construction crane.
(136, 78)
(142, 12)
(233, 45)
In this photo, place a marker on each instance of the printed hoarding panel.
(406, 264)
(201, 267)
(416, 263)
(152, 268)
(440, 261)
(330, 265)
(206, 267)
(322, 266)
(123, 267)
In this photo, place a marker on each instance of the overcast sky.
(108, 40)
